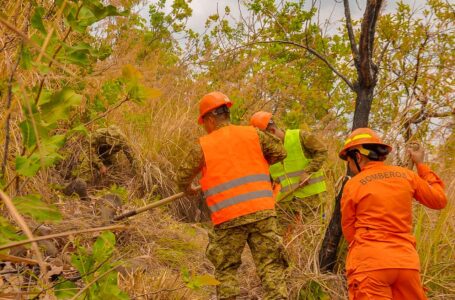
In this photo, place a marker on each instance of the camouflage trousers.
(297, 211)
(225, 249)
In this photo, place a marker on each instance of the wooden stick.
(151, 205)
(291, 192)
(56, 235)
(23, 225)
(17, 259)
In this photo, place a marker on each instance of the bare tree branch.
(352, 42)
(309, 49)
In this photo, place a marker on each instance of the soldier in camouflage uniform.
(227, 239)
(105, 144)
(306, 154)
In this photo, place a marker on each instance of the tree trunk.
(362, 107)
(367, 71)
(328, 251)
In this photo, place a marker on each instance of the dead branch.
(62, 234)
(352, 42)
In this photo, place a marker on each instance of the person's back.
(376, 218)
(382, 196)
(235, 178)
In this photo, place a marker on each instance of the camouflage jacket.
(273, 151)
(106, 142)
(314, 149)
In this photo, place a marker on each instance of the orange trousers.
(397, 284)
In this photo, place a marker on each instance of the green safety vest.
(288, 172)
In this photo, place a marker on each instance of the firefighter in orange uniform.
(376, 210)
(234, 161)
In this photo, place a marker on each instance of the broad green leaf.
(8, 232)
(65, 290)
(26, 58)
(83, 262)
(108, 288)
(27, 167)
(78, 55)
(33, 206)
(28, 134)
(59, 106)
(37, 19)
(104, 246)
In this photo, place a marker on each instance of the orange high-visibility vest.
(235, 179)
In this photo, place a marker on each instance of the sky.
(332, 10)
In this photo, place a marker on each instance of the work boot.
(77, 186)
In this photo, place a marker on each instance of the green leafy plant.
(96, 270)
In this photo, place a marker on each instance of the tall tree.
(367, 78)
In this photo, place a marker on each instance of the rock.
(109, 205)
(77, 186)
(49, 248)
(20, 251)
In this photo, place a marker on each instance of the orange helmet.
(260, 119)
(359, 137)
(211, 101)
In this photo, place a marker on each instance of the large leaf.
(37, 19)
(47, 155)
(79, 54)
(8, 232)
(26, 58)
(65, 290)
(59, 105)
(27, 166)
(91, 12)
(103, 247)
(33, 206)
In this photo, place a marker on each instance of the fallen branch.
(56, 235)
(17, 259)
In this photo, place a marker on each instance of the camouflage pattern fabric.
(225, 249)
(106, 142)
(314, 149)
(97, 151)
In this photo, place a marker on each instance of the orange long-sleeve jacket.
(376, 215)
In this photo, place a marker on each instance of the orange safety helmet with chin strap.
(360, 137)
(261, 119)
(211, 101)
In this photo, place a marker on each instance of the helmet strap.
(352, 154)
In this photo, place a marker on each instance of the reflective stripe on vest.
(236, 182)
(288, 172)
(235, 179)
(240, 198)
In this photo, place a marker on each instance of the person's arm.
(272, 147)
(348, 211)
(189, 168)
(429, 188)
(315, 149)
